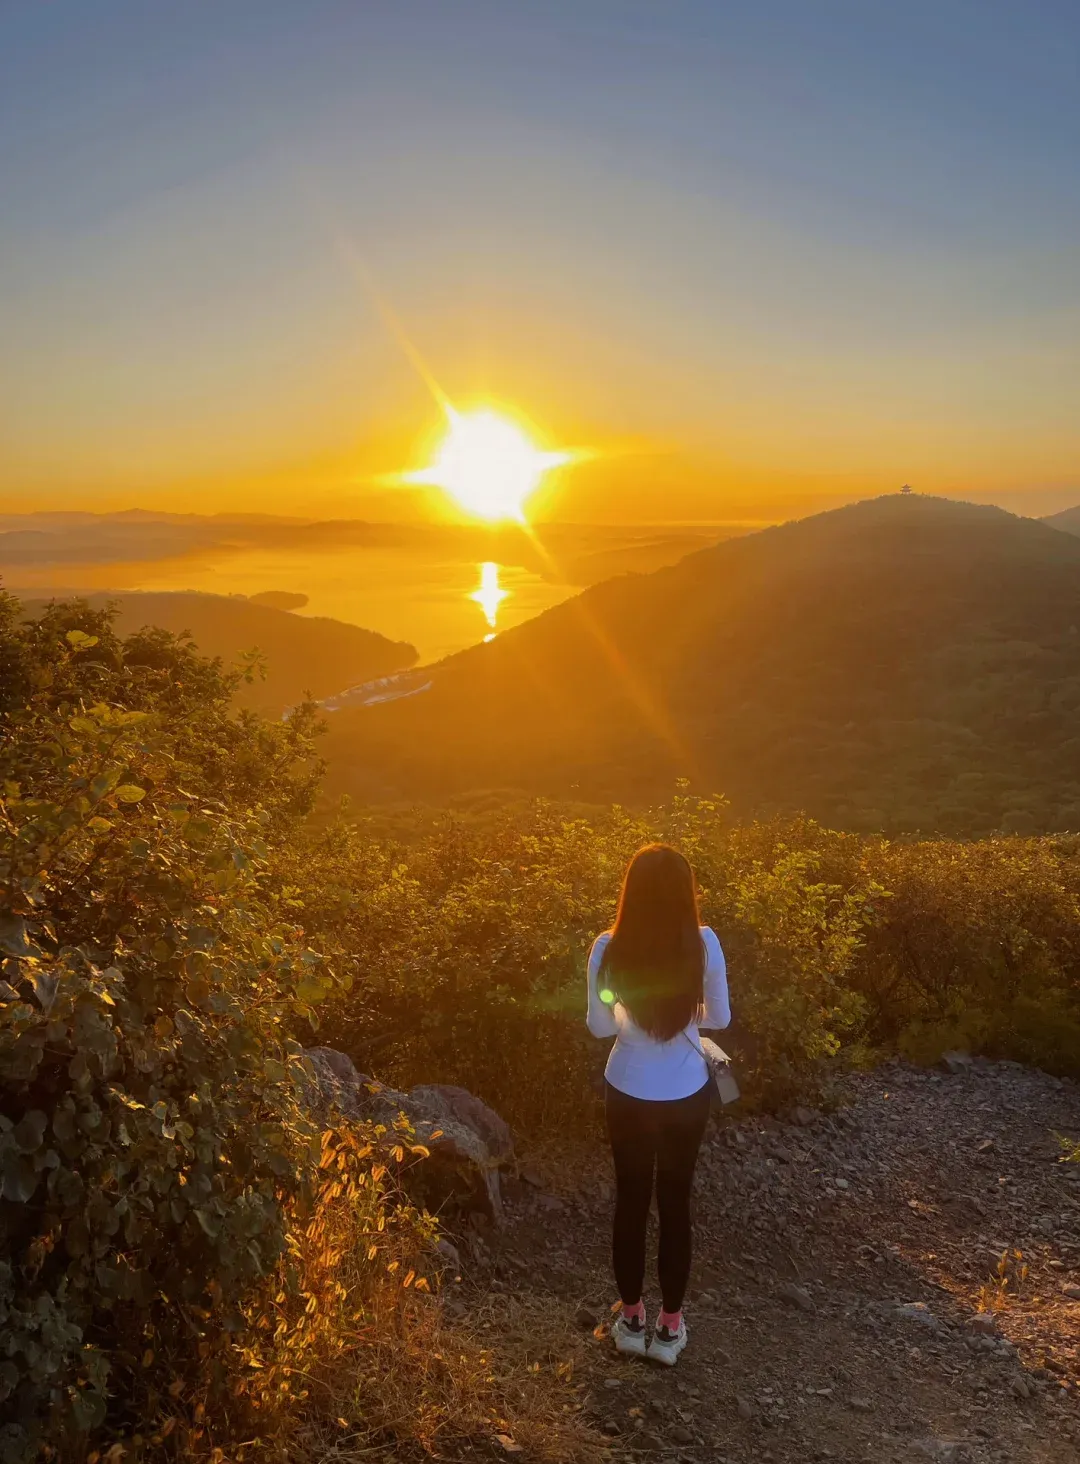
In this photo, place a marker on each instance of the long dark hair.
(655, 960)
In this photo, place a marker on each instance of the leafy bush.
(191, 1267)
(149, 1128)
(466, 939)
(182, 1259)
(979, 949)
(466, 945)
(348, 1347)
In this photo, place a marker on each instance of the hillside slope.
(302, 653)
(1068, 520)
(906, 662)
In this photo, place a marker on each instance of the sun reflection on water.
(489, 595)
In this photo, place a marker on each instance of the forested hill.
(299, 653)
(903, 663)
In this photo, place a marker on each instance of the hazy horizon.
(440, 586)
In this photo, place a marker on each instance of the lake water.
(439, 587)
(435, 601)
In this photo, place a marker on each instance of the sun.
(488, 464)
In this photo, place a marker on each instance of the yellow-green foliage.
(150, 1134)
(348, 1346)
(190, 1268)
(467, 945)
(978, 949)
(467, 937)
(186, 1260)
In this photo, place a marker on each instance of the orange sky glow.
(747, 267)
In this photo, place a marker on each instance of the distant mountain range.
(1068, 520)
(64, 544)
(302, 653)
(904, 663)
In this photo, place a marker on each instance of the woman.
(653, 980)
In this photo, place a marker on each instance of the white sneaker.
(666, 1345)
(629, 1337)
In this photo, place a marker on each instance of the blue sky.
(784, 251)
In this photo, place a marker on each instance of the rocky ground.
(897, 1281)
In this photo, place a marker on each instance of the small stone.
(613, 1382)
(861, 1405)
(795, 1296)
(842, 1184)
(585, 1319)
(956, 1062)
(680, 1434)
(985, 1146)
(1020, 1387)
(610, 1427)
(942, 1451)
(804, 1117)
(985, 1323)
(450, 1256)
(1072, 1291)
(918, 1311)
(745, 1408)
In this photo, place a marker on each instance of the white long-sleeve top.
(640, 1065)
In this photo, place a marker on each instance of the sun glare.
(490, 595)
(488, 465)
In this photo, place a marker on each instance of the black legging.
(665, 1135)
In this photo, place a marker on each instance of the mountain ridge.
(861, 664)
(1067, 520)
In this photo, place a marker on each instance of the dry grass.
(351, 1356)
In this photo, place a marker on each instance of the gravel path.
(893, 1283)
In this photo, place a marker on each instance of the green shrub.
(806, 935)
(467, 943)
(168, 1226)
(466, 939)
(150, 1136)
(978, 949)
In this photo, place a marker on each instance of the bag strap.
(699, 1050)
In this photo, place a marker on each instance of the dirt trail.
(847, 1301)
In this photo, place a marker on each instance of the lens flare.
(488, 465)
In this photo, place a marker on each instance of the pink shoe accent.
(637, 1311)
(671, 1320)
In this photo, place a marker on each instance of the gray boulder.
(956, 1062)
(467, 1140)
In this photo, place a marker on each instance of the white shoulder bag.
(719, 1065)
